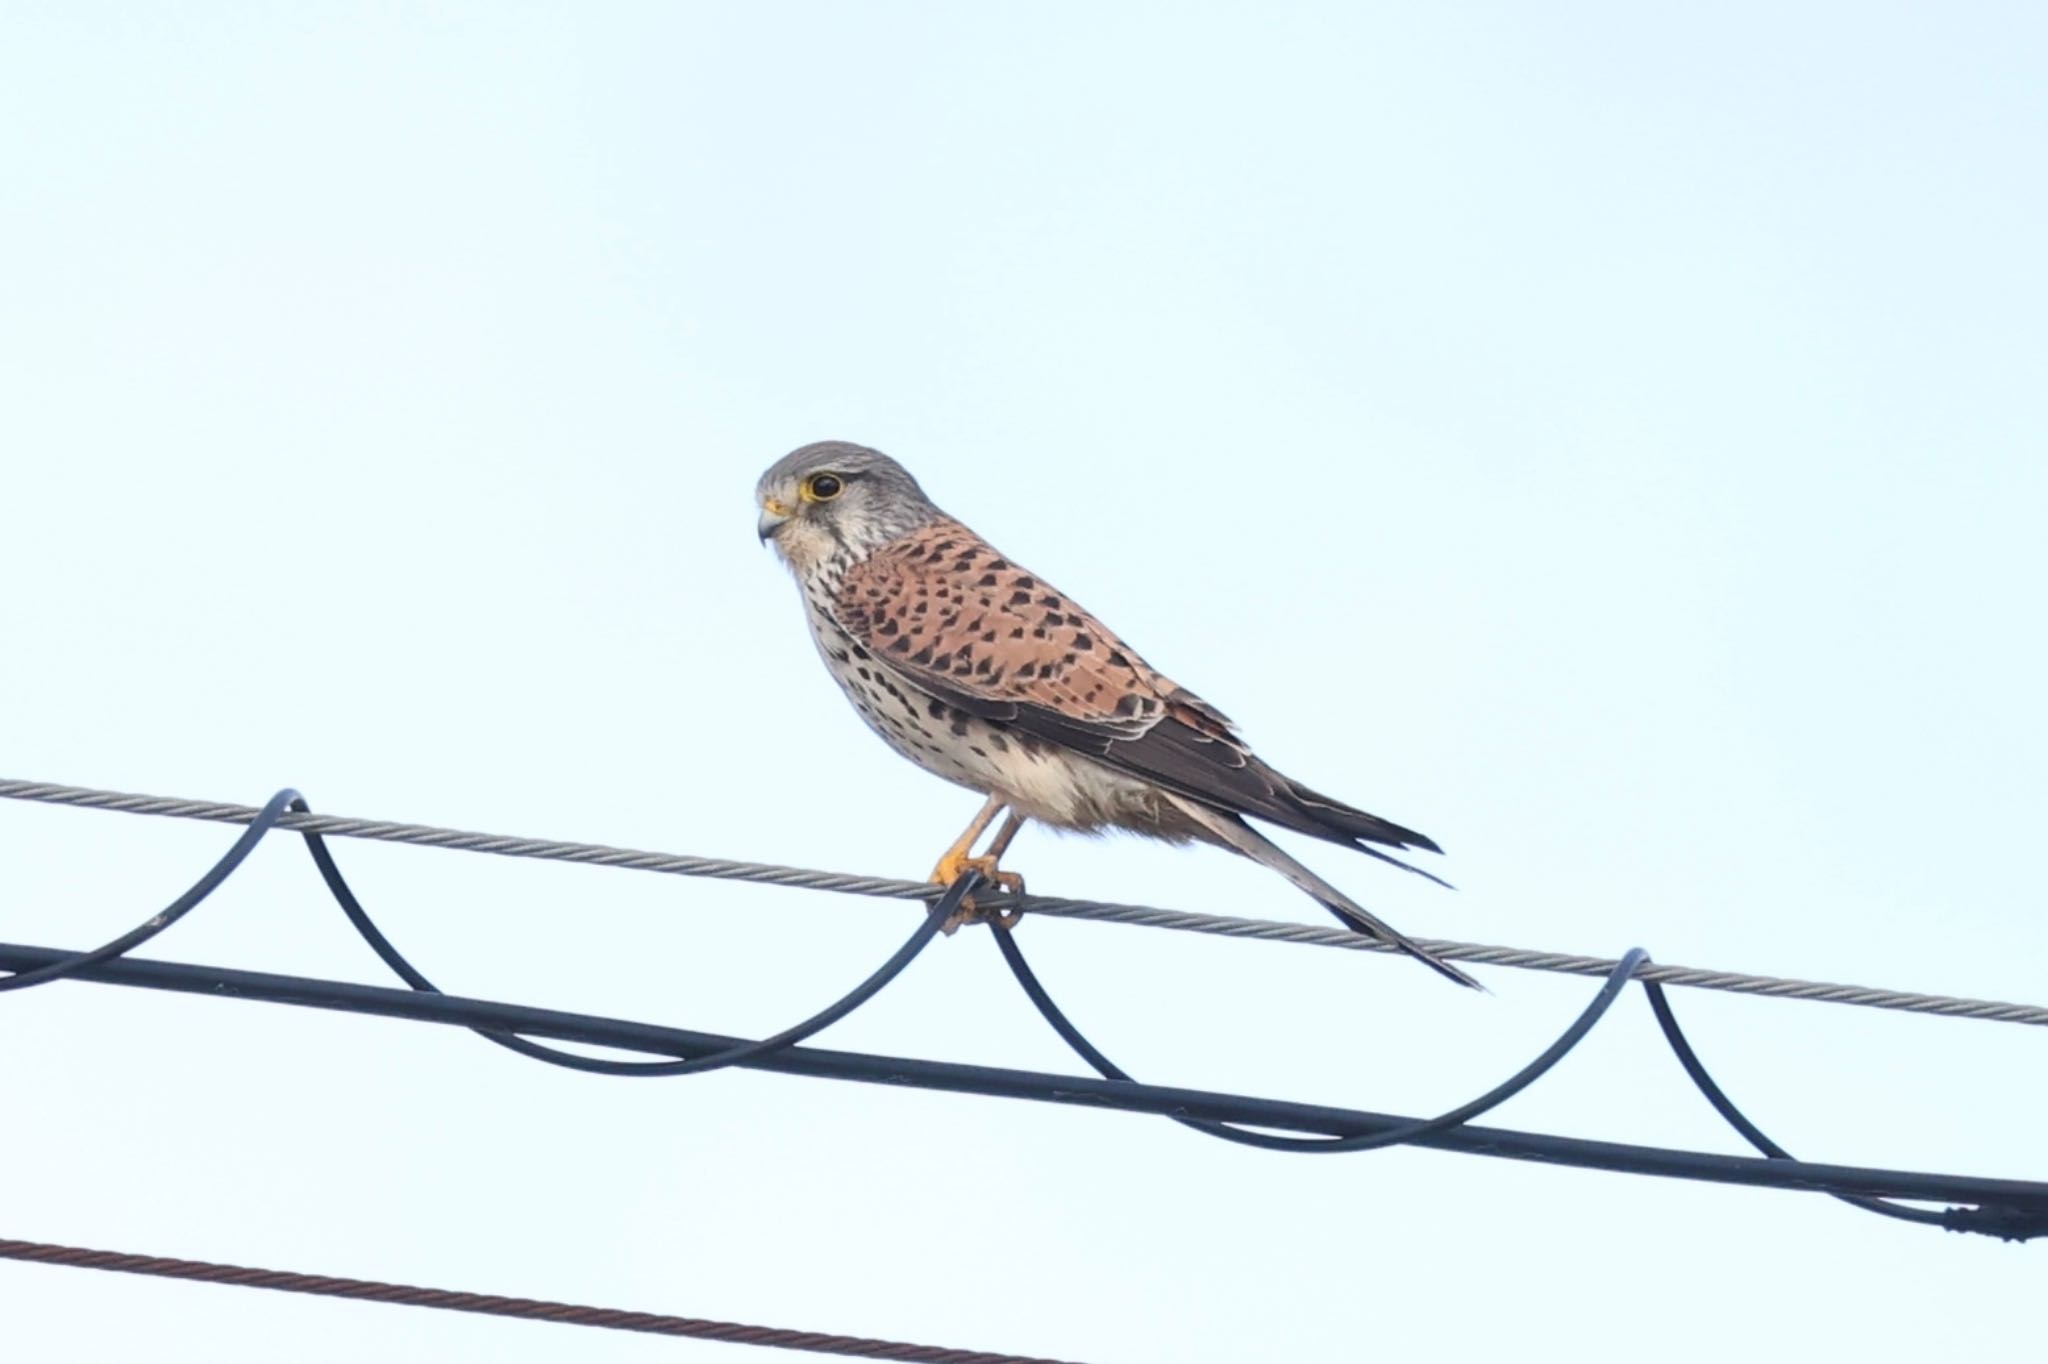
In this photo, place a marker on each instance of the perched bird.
(982, 673)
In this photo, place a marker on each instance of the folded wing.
(949, 616)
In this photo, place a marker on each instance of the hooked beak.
(773, 513)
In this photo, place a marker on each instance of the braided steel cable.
(1144, 916)
(493, 1305)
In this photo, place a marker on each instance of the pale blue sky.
(1609, 438)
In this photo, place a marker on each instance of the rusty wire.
(494, 1305)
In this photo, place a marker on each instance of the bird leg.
(954, 860)
(1008, 880)
(958, 861)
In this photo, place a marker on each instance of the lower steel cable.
(493, 1305)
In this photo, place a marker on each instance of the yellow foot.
(953, 866)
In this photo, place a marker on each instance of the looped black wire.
(2006, 1222)
(290, 800)
(1371, 1141)
(266, 820)
(1992, 1221)
(941, 910)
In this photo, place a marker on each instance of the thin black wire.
(1681, 1046)
(1617, 980)
(2010, 1209)
(1986, 1220)
(942, 910)
(2020, 1206)
(290, 800)
(264, 822)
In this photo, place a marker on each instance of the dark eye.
(823, 487)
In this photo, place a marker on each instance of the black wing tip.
(1350, 822)
(1392, 861)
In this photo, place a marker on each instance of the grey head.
(837, 500)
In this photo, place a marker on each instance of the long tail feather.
(1392, 861)
(1236, 835)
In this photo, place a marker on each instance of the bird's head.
(836, 499)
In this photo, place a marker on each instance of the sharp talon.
(1012, 882)
(952, 868)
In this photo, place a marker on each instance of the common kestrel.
(982, 673)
